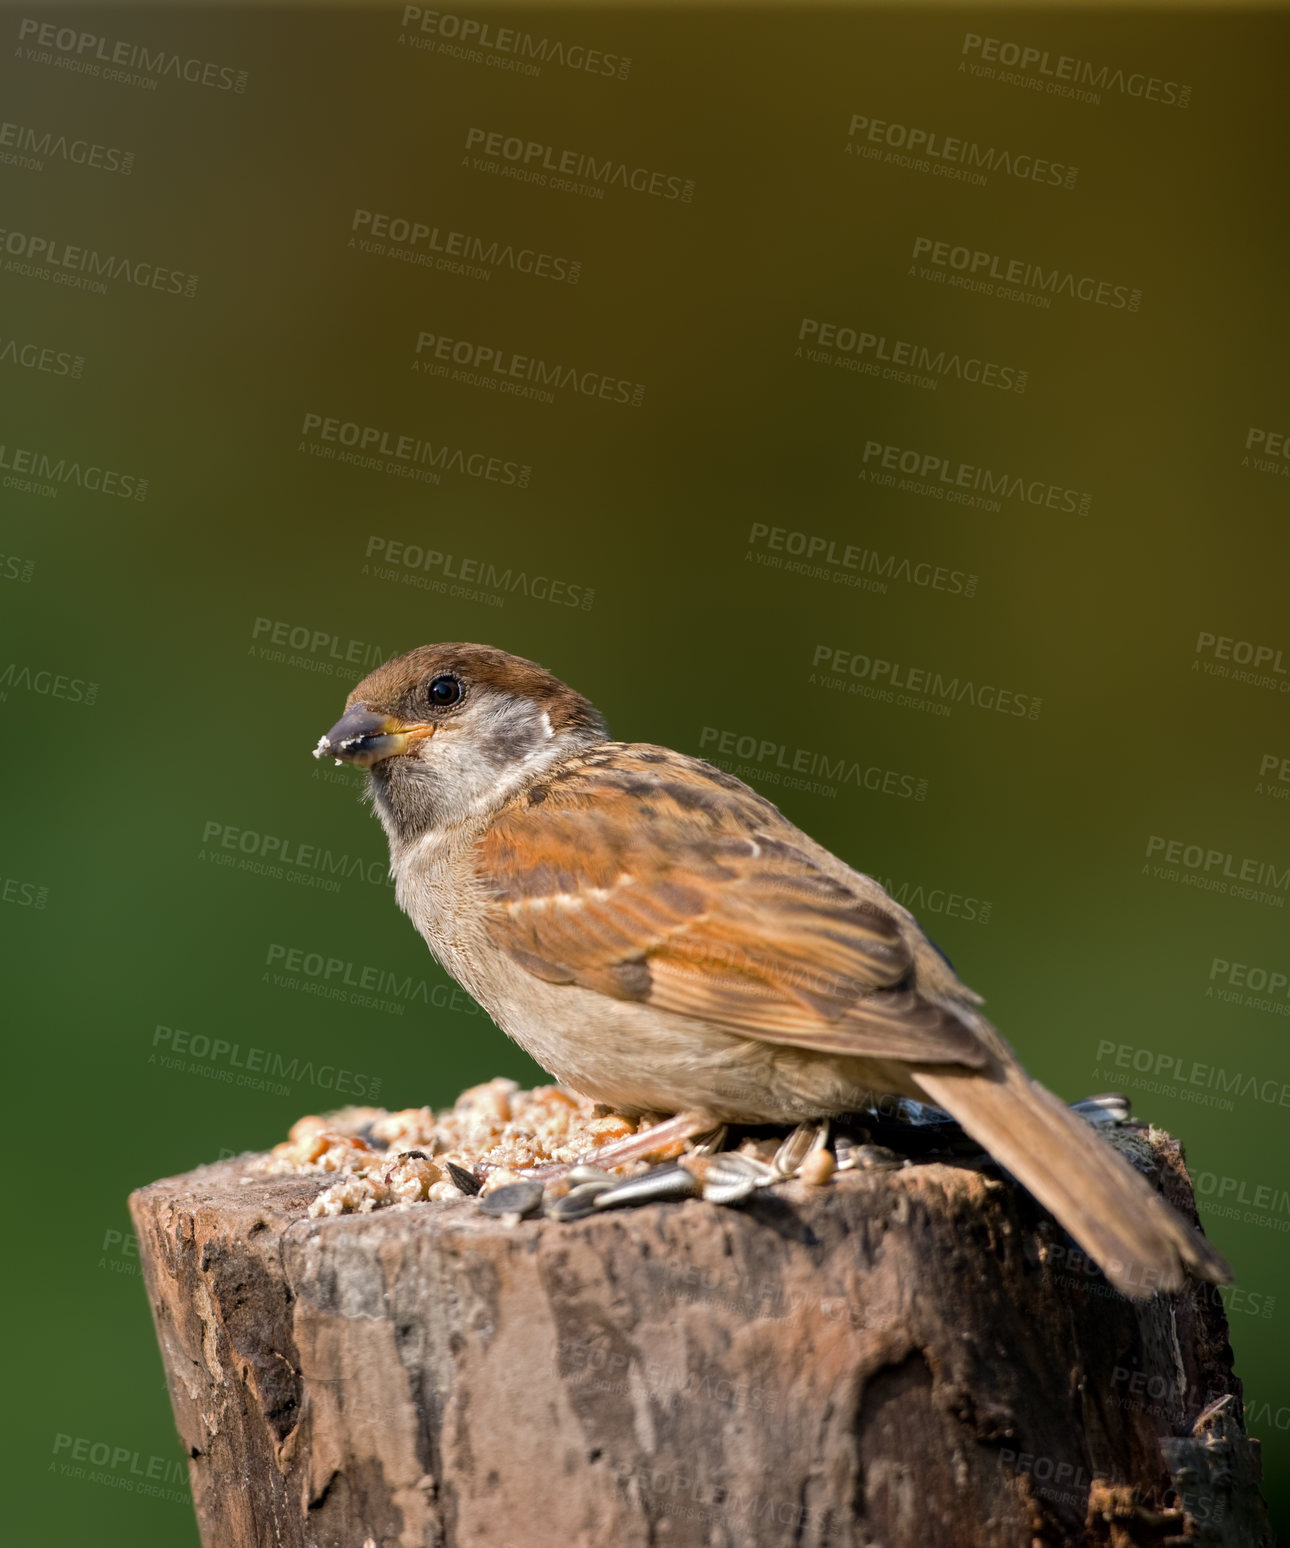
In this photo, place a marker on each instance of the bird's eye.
(444, 691)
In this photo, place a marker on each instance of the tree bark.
(900, 1359)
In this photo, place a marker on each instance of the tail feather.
(1136, 1238)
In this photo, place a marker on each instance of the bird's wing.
(649, 876)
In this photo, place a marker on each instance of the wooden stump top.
(903, 1358)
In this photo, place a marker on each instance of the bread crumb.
(494, 1131)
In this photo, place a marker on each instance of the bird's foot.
(661, 1141)
(691, 1163)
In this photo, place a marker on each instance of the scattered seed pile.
(491, 1134)
(520, 1153)
(494, 1136)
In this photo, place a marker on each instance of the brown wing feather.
(660, 879)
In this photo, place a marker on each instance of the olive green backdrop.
(1084, 793)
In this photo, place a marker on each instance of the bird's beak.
(364, 736)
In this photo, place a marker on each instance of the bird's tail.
(1137, 1239)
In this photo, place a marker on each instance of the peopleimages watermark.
(824, 558)
(1267, 451)
(23, 146)
(373, 988)
(407, 456)
(23, 894)
(1076, 1269)
(1259, 1414)
(47, 684)
(119, 1253)
(91, 53)
(1235, 1198)
(412, 240)
(41, 473)
(892, 682)
(1241, 661)
(1249, 986)
(467, 578)
(1274, 775)
(1065, 75)
(520, 376)
(869, 354)
(120, 1467)
(1153, 1392)
(1216, 870)
(920, 899)
(45, 359)
(949, 156)
(1066, 1483)
(312, 649)
(976, 269)
(1056, 1479)
(85, 268)
(503, 48)
(780, 764)
(938, 477)
(569, 171)
(1175, 1075)
(270, 854)
(257, 1069)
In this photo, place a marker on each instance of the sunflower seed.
(805, 1138)
(466, 1181)
(1111, 1107)
(759, 1147)
(518, 1198)
(728, 1178)
(578, 1202)
(582, 1173)
(920, 1114)
(663, 1182)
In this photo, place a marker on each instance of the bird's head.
(446, 731)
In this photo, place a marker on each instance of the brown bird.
(662, 939)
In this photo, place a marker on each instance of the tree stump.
(905, 1358)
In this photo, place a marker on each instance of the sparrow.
(662, 939)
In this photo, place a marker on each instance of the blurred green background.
(124, 913)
